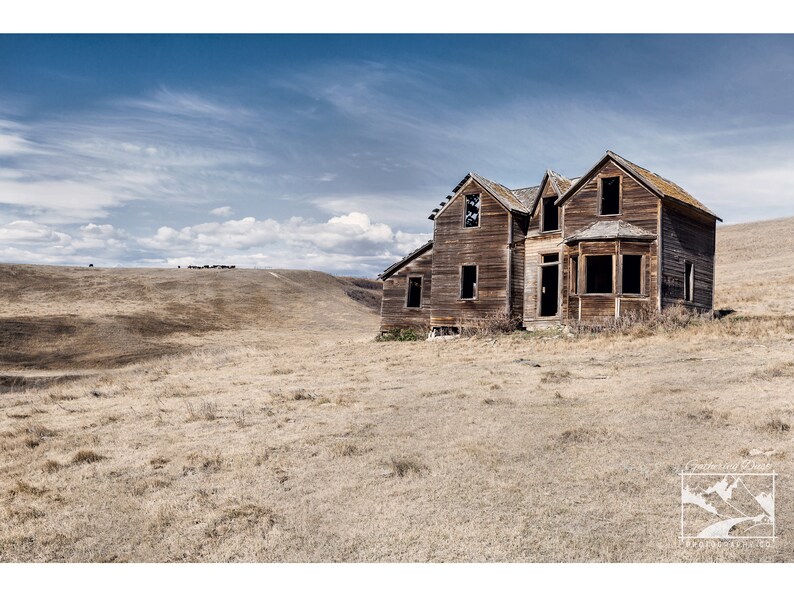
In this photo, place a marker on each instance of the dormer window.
(550, 215)
(609, 203)
(471, 218)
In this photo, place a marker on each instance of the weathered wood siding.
(639, 207)
(517, 266)
(687, 235)
(486, 246)
(394, 314)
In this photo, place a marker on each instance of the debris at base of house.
(433, 337)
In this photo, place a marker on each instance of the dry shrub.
(86, 456)
(23, 514)
(23, 488)
(404, 466)
(493, 324)
(346, 449)
(40, 432)
(706, 415)
(497, 401)
(776, 371)
(206, 410)
(583, 435)
(301, 395)
(240, 519)
(555, 376)
(159, 462)
(407, 334)
(212, 464)
(776, 425)
(641, 323)
(18, 416)
(51, 466)
(240, 420)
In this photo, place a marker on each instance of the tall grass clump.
(406, 334)
(493, 324)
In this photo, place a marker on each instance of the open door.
(549, 290)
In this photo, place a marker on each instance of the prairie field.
(250, 415)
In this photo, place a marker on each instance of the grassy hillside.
(63, 318)
(755, 267)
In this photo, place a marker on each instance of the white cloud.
(31, 242)
(29, 232)
(222, 211)
(57, 201)
(345, 243)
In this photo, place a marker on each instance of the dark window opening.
(551, 215)
(574, 275)
(610, 196)
(468, 281)
(472, 218)
(689, 281)
(632, 274)
(551, 258)
(414, 298)
(599, 274)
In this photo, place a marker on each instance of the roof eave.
(392, 269)
(688, 206)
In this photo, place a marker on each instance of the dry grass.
(317, 443)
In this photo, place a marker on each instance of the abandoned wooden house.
(617, 240)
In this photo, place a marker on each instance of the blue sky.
(329, 151)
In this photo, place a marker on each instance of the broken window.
(610, 196)
(689, 281)
(414, 297)
(574, 275)
(632, 274)
(551, 215)
(472, 217)
(599, 274)
(468, 282)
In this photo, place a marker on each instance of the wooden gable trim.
(596, 168)
(403, 262)
(461, 187)
(547, 178)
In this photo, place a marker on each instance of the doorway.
(549, 290)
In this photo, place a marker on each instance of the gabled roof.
(526, 195)
(662, 187)
(559, 183)
(501, 193)
(402, 262)
(610, 230)
(670, 189)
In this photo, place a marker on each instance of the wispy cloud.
(336, 164)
